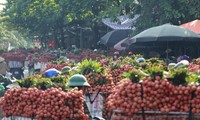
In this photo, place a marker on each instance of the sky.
(1, 6)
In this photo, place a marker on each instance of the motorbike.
(8, 81)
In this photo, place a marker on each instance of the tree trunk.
(56, 39)
(96, 35)
(62, 37)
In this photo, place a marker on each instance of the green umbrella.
(159, 34)
(164, 33)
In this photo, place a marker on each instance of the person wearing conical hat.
(81, 83)
(65, 70)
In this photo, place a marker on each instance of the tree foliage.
(10, 36)
(157, 12)
(40, 17)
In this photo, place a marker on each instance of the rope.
(92, 101)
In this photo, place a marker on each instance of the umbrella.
(164, 33)
(193, 26)
(113, 37)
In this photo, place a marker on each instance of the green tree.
(10, 36)
(35, 16)
(56, 16)
(61, 17)
(156, 12)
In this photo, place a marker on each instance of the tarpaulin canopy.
(193, 26)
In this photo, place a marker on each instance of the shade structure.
(113, 37)
(165, 33)
(193, 26)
